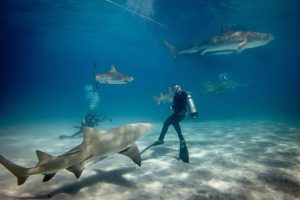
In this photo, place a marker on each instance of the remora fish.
(227, 42)
(95, 145)
(113, 77)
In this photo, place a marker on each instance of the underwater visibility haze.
(238, 59)
(49, 48)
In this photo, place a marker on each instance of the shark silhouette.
(96, 145)
(164, 97)
(113, 77)
(222, 84)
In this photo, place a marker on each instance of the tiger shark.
(228, 42)
(96, 145)
(113, 77)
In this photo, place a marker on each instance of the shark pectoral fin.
(203, 52)
(43, 157)
(133, 153)
(76, 170)
(47, 177)
(242, 45)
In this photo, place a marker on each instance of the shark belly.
(255, 44)
(220, 49)
(112, 81)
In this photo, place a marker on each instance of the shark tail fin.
(173, 49)
(17, 170)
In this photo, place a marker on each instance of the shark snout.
(146, 126)
(271, 37)
(140, 129)
(143, 127)
(130, 79)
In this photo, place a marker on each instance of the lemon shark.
(227, 42)
(113, 77)
(96, 145)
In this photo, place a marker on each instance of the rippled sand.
(228, 160)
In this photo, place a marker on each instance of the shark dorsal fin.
(43, 157)
(90, 134)
(133, 153)
(112, 68)
(225, 29)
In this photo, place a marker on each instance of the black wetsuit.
(91, 119)
(179, 107)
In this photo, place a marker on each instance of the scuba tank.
(192, 107)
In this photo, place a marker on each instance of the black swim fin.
(184, 153)
(63, 137)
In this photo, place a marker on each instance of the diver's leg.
(71, 136)
(163, 132)
(165, 128)
(183, 150)
(177, 127)
(76, 133)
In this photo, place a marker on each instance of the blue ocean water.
(245, 143)
(48, 49)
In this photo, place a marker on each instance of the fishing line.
(140, 15)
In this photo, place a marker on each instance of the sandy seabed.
(248, 159)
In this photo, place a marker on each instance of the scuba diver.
(90, 119)
(181, 101)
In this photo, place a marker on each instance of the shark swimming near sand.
(228, 42)
(95, 146)
(113, 77)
